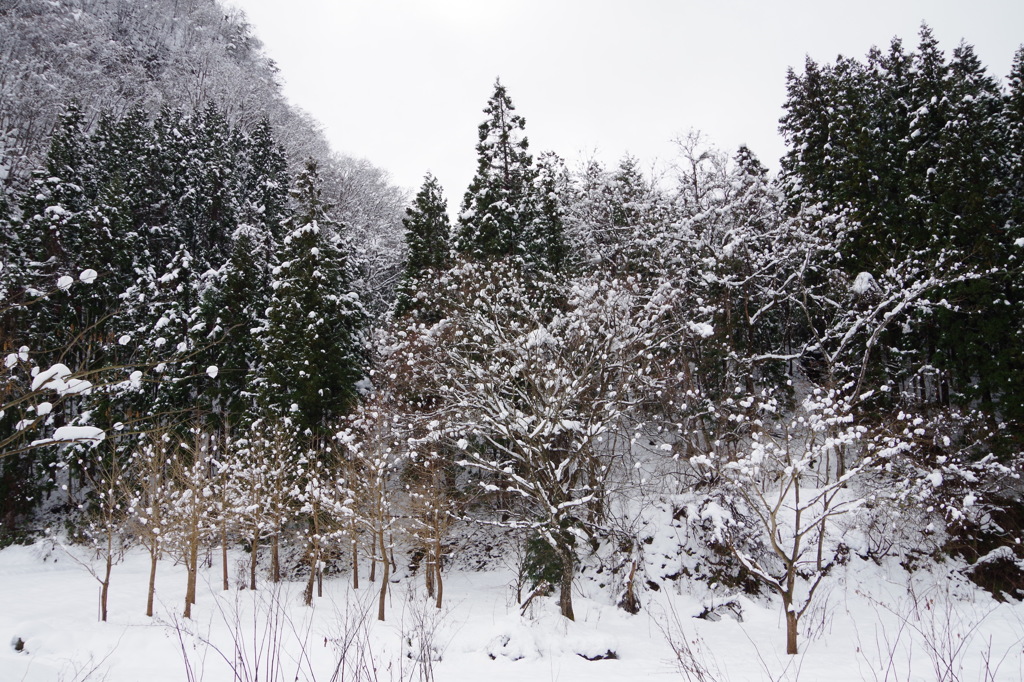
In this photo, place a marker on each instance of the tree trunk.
(355, 565)
(224, 553)
(307, 594)
(791, 630)
(373, 559)
(275, 562)
(105, 589)
(428, 573)
(153, 554)
(194, 570)
(314, 559)
(629, 603)
(252, 559)
(385, 576)
(437, 570)
(565, 588)
(192, 567)
(440, 585)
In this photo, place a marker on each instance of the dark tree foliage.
(312, 345)
(497, 209)
(427, 236)
(234, 308)
(548, 249)
(909, 147)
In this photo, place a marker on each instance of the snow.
(702, 329)
(212, 371)
(74, 434)
(869, 618)
(64, 282)
(88, 276)
(863, 283)
(58, 379)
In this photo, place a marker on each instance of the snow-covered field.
(871, 623)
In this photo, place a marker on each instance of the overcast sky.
(403, 82)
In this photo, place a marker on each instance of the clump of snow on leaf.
(863, 283)
(58, 379)
(702, 329)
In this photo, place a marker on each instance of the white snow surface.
(865, 621)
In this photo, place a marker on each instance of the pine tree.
(1012, 170)
(206, 207)
(547, 247)
(55, 205)
(128, 192)
(161, 325)
(497, 209)
(263, 182)
(64, 232)
(617, 216)
(427, 235)
(312, 346)
(908, 147)
(1013, 159)
(805, 128)
(234, 307)
(427, 230)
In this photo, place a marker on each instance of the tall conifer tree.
(497, 209)
(427, 235)
(312, 346)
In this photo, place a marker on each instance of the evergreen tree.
(497, 209)
(162, 174)
(263, 182)
(160, 325)
(129, 187)
(312, 345)
(427, 232)
(617, 216)
(205, 208)
(234, 307)
(547, 248)
(55, 205)
(909, 148)
(1013, 159)
(65, 232)
(805, 128)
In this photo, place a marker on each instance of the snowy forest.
(236, 353)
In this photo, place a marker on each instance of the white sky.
(403, 82)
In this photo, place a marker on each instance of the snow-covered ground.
(870, 623)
